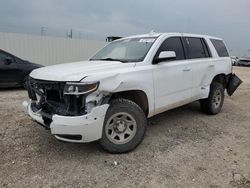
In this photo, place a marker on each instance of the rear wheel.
(124, 126)
(213, 104)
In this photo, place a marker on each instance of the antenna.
(42, 30)
(70, 34)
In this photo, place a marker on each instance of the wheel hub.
(217, 99)
(120, 126)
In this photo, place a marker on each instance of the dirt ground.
(182, 148)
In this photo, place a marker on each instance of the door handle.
(186, 69)
(211, 66)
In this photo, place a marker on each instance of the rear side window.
(172, 44)
(220, 47)
(196, 48)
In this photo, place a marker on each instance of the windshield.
(126, 50)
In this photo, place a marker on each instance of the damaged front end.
(61, 98)
(73, 111)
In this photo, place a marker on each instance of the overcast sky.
(92, 19)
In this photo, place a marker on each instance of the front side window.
(196, 48)
(220, 47)
(172, 44)
(126, 50)
(5, 58)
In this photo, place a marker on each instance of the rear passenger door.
(172, 78)
(199, 58)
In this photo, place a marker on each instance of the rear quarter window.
(220, 47)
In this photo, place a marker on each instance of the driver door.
(172, 78)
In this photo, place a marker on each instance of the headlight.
(79, 88)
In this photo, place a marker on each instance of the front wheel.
(213, 104)
(124, 126)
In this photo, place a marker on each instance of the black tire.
(135, 114)
(212, 105)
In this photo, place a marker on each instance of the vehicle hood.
(78, 70)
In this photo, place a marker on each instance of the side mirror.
(8, 60)
(164, 56)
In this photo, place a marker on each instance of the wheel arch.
(137, 96)
(220, 78)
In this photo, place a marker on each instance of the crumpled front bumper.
(85, 128)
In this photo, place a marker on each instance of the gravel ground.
(182, 148)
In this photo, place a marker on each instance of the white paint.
(147, 40)
(167, 54)
(78, 70)
(88, 126)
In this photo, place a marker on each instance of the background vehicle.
(235, 60)
(110, 97)
(13, 70)
(244, 61)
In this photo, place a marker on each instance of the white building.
(48, 50)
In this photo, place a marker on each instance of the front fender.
(118, 82)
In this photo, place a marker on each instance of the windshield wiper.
(109, 59)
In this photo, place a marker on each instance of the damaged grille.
(49, 98)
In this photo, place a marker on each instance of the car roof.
(153, 34)
(6, 52)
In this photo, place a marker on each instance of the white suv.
(110, 96)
